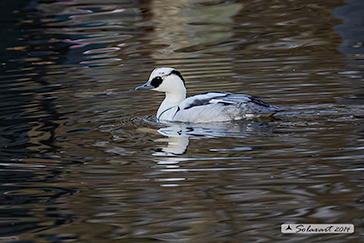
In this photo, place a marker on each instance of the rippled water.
(83, 159)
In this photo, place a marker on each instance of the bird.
(202, 108)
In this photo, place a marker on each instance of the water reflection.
(353, 47)
(178, 134)
(206, 27)
(195, 31)
(83, 160)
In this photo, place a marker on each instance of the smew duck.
(206, 107)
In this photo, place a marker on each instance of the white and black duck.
(206, 107)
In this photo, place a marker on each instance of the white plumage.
(207, 107)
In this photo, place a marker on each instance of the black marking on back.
(178, 74)
(198, 102)
(260, 102)
(156, 81)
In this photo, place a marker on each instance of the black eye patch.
(156, 81)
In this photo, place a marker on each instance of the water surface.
(83, 159)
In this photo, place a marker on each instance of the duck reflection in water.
(177, 135)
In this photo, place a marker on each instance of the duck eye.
(156, 81)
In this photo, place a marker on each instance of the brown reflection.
(187, 30)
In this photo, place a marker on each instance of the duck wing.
(222, 106)
(222, 98)
(202, 99)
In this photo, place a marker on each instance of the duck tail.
(284, 108)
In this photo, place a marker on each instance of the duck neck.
(172, 99)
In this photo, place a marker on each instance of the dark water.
(83, 160)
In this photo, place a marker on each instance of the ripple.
(76, 137)
(102, 50)
(290, 44)
(101, 61)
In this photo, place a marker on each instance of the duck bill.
(146, 86)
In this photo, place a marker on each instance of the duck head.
(165, 79)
